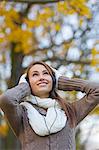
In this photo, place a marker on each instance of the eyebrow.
(38, 71)
(35, 71)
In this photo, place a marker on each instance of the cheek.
(33, 87)
(32, 82)
(51, 82)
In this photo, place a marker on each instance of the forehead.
(37, 67)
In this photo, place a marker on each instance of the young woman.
(39, 117)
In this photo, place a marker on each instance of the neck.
(43, 96)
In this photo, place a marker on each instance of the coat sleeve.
(9, 103)
(86, 104)
(83, 107)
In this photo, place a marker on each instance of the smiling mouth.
(42, 83)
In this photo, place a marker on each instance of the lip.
(42, 83)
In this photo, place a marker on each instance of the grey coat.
(64, 139)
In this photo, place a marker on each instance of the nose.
(41, 77)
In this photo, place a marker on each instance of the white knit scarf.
(54, 121)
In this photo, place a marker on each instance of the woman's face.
(40, 81)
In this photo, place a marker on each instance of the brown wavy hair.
(66, 106)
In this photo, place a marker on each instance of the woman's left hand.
(57, 75)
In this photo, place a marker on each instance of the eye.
(46, 72)
(35, 74)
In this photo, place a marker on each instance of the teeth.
(42, 83)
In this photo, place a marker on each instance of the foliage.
(3, 126)
(16, 24)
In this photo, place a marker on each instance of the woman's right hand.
(23, 79)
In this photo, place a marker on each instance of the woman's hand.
(92, 90)
(23, 79)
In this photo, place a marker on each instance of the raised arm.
(67, 84)
(9, 103)
(85, 105)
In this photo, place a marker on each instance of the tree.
(34, 1)
(17, 23)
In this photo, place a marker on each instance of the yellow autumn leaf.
(81, 20)
(85, 12)
(17, 48)
(81, 8)
(57, 27)
(10, 24)
(31, 23)
(48, 11)
(70, 11)
(4, 129)
(97, 60)
(26, 48)
(12, 14)
(94, 52)
(1, 40)
(3, 125)
(97, 69)
(95, 111)
(93, 62)
(61, 6)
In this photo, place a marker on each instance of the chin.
(42, 92)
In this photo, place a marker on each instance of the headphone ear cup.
(54, 81)
(27, 78)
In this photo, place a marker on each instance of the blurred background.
(65, 35)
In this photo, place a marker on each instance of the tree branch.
(65, 61)
(34, 1)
